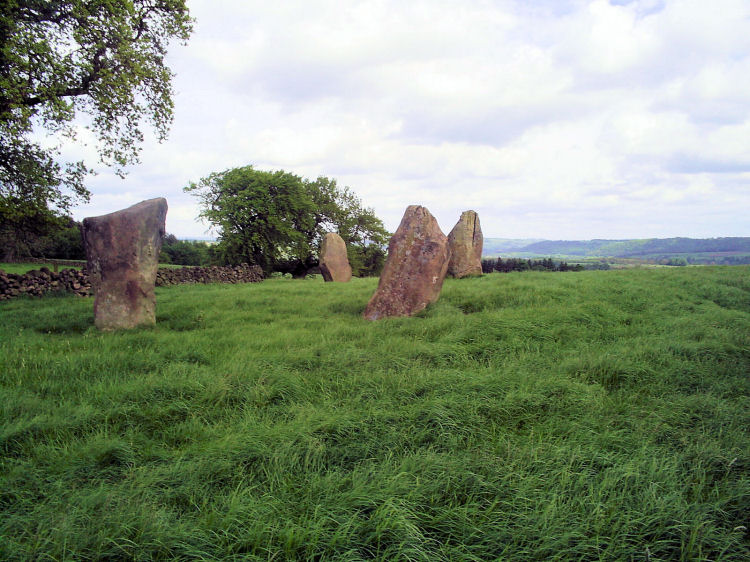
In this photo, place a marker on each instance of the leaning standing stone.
(415, 269)
(122, 254)
(334, 263)
(465, 241)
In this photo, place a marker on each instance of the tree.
(65, 242)
(341, 210)
(45, 235)
(276, 219)
(63, 58)
(184, 252)
(22, 227)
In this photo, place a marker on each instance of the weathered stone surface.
(465, 241)
(413, 274)
(333, 262)
(122, 253)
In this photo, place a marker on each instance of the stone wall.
(231, 274)
(76, 281)
(39, 281)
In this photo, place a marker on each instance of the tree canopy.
(276, 219)
(63, 59)
(185, 252)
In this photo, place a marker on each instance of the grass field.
(21, 268)
(598, 415)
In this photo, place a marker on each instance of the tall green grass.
(587, 416)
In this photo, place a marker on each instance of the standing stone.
(122, 255)
(465, 241)
(334, 263)
(413, 274)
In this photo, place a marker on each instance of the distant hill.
(495, 246)
(693, 250)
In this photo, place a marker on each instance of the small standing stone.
(466, 242)
(413, 274)
(334, 263)
(122, 254)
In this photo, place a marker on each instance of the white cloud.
(551, 119)
(614, 38)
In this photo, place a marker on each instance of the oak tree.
(68, 63)
(277, 219)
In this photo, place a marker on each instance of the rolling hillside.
(728, 250)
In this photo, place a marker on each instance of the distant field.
(21, 268)
(173, 265)
(600, 415)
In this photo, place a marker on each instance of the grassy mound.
(596, 415)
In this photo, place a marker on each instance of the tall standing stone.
(413, 274)
(122, 254)
(465, 241)
(333, 262)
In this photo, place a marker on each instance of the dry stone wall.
(38, 282)
(243, 273)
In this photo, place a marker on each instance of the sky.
(552, 119)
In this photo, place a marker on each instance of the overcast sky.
(552, 119)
